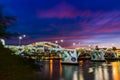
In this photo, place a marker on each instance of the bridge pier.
(97, 55)
(70, 57)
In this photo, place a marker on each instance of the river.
(86, 70)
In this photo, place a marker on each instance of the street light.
(74, 44)
(20, 38)
(24, 35)
(61, 40)
(56, 42)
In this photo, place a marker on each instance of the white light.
(20, 37)
(56, 41)
(3, 41)
(24, 35)
(74, 44)
(62, 40)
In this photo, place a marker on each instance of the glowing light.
(51, 68)
(24, 35)
(61, 40)
(60, 68)
(56, 41)
(74, 44)
(3, 41)
(20, 37)
(115, 71)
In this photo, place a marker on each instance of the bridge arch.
(46, 44)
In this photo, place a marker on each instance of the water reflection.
(116, 70)
(51, 68)
(54, 70)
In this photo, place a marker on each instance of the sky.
(83, 22)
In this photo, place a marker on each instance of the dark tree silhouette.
(5, 21)
(114, 48)
(96, 47)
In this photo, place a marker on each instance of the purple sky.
(88, 22)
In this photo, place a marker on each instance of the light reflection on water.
(54, 70)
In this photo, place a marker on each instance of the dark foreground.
(86, 70)
(13, 67)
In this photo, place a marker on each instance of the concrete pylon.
(97, 55)
(70, 57)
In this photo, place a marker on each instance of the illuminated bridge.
(45, 49)
(68, 55)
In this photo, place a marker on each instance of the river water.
(86, 70)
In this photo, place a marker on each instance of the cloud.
(90, 22)
(62, 10)
(68, 22)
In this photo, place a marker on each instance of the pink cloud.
(63, 10)
(97, 22)
(107, 29)
(93, 24)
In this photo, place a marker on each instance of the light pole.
(20, 38)
(61, 41)
(24, 36)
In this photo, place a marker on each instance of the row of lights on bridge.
(20, 38)
(58, 41)
(74, 44)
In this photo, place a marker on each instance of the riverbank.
(14, 67)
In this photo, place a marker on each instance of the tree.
(114, 48)
(5, 21)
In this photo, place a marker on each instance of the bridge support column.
(70, 57)
(97, 55)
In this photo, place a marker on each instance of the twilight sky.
(88, 22)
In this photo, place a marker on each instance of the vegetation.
(14, 67)
(5, 21)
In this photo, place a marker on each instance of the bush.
(13, 67)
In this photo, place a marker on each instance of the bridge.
(47, 48)
(67, 55)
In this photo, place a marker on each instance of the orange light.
(115, 71)
(51, 68)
